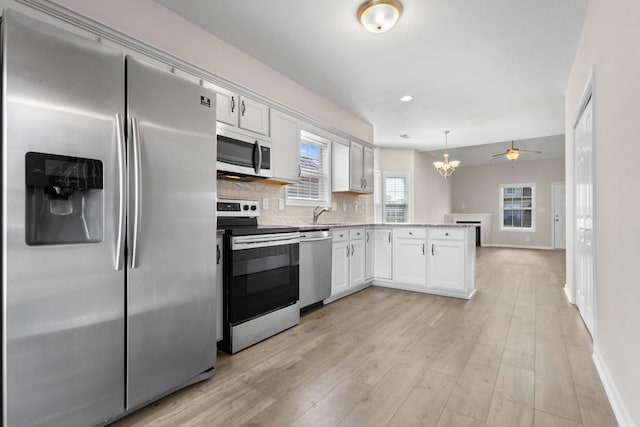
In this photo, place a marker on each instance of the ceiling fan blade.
(531, 151)
(497, 156)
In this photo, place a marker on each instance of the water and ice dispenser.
(64, 199)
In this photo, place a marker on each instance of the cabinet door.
(369, 250)
(410, 261)
(340, 267)
(226, 106)
(367, 169)
(219, 287)
(254, 116)
(285, 135)
(356, 183)
(382, 255)
(446, 264)
(356, 265)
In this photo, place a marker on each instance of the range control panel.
(238, 208)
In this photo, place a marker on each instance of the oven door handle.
(251, 244)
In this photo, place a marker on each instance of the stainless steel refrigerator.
(108, 229)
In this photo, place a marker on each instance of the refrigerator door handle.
(122, 190)
(135, 134)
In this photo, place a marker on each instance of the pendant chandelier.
(446, 168)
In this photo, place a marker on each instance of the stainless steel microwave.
(243, 155)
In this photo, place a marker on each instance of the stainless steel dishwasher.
(315, 267)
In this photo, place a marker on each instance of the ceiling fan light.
(512, 154)
(378, 16)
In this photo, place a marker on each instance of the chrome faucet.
(317, 212)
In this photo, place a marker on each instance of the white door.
(410, 263)
(559, 216)
(584, 254)
(340, 267)
(368, 253)
(357, 263)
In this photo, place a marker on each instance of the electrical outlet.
(281, 204)
(265, 203)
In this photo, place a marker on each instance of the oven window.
(262, 280)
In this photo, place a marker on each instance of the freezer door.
(63, 304)
(171, 294)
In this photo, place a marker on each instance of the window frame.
(310, 137)
(501, 189)
(407, 180)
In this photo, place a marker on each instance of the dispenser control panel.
(53, 170)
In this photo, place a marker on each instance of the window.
(313, 187)
(517, 206)
(396, 193)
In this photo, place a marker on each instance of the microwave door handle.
(259, 157)
(255, 157)
(122, 191)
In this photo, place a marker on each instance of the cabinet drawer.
(356, 233)
(411, 233)
(340, 235)
(446, 233)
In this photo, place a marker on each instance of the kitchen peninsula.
(430, 258)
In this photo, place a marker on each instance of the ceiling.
(490, 71)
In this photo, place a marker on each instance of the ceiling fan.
(513, 153)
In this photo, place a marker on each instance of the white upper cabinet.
(240, 111)
(285, 136)
(356, 182)
(367, 169)
(352, 168)
(254, 116)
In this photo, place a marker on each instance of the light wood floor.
(517, 354)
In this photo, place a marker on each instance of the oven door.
(263, 275)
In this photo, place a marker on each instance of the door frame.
(588, 95)
(553, 213)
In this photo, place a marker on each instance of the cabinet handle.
(367, 237)
(217, 254)
(351, 250)
(244, 108)
(233, 104)
(423, 249)
(389, 237)
(365, 183)
(432, 251)
(411, 233)
(446, 234)
(347, 250)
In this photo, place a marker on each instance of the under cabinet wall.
(351, 209)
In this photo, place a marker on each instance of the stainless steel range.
(261, 267)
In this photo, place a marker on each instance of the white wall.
(430, 193)
(476, 190)
(154, 24)
(610, 43)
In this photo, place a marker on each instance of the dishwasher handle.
(316, 239)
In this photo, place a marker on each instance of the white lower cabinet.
(410, 261)
(369, 248)
(383, 253)
(340, 261)
(451, 261)
(348, 260)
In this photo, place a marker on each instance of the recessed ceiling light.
(406, 98)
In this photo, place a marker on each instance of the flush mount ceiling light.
(378, 16)
(406, 98)
(447, 167)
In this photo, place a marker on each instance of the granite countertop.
(309, 227)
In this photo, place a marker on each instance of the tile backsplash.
(350, 208)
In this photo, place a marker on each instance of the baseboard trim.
(494, 245)
(568, 294)
(620, 411)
